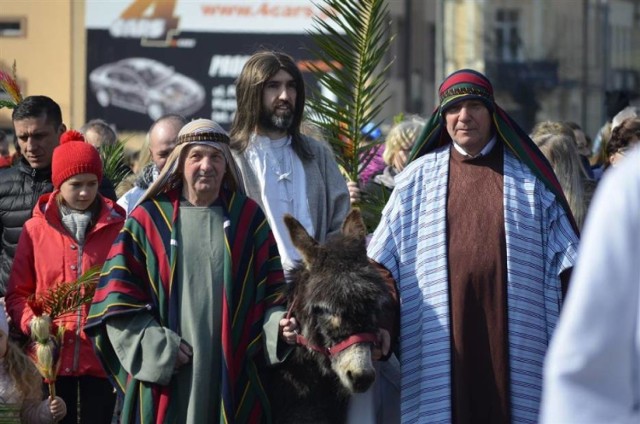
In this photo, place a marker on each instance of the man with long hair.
(283, 170)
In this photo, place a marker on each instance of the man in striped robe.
(178, 314)
(480, 241)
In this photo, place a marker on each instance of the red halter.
(337, 348)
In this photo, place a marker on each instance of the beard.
(277, 120)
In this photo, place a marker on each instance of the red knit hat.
(72, 157)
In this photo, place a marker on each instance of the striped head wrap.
(197, 132)
(467, 84)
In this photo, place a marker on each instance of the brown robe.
(478, 288)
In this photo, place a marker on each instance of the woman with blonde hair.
(557, 142)
(21, 385)
(397, 147)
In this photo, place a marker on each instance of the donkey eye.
(320, 310)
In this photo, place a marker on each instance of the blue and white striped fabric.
(411, 242)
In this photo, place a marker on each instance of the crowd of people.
(479, 238)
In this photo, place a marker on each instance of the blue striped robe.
(411, 242)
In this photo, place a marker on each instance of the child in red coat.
(71, 230)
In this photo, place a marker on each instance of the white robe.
(592, 370)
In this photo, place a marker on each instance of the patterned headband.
(463, 84)
(204, 136)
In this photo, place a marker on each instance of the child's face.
(3, 344)
(80, 191)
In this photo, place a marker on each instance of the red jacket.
(47, 255)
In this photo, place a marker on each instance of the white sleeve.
(591, 371)
(130, 198)
(124, 200)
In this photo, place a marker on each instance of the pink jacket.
(48, 255)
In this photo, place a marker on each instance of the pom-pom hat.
(72, 157)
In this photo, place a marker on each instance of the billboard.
(146, 58)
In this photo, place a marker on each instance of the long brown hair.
(255, 73)
(557, 143)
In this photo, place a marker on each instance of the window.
(507, 36)
(13, 27)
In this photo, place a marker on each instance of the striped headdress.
(199, 131)
(467, 84)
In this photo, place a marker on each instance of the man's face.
(469, 125)
(37, 138)
(93, 138)
(204, 168)
(162, 140)
(278, 104)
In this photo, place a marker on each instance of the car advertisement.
(147, 58)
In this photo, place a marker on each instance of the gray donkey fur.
(338, 293)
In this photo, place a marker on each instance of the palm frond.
(67, 297)
(113, 162)
(352, 41)
(373, 202)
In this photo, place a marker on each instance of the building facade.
(548, 59)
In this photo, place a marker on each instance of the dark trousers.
(92, 398)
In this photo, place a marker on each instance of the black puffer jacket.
(20, 188)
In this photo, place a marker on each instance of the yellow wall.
(50, 59)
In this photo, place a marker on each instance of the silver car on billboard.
(146, 86)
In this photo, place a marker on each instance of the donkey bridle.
(337, 348)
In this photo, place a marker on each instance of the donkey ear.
(302, 241)
(353, 225)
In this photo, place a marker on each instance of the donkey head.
(338, 294)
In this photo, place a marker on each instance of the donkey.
(338, 299)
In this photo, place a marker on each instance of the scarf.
(467, 84)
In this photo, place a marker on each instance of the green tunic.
(200, 273)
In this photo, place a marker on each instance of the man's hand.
(383, 346)
(288, 330)
(355, 194)
(184, 355)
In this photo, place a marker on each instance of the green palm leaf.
(114, 163)
(67, 297)
(352, 41)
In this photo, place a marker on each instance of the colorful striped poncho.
(139, 276)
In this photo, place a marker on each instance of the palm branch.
(352, 42)
(67, 297)
(57, 301)
(373, 201)
(113, 162)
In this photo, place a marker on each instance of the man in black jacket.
(37, 123)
